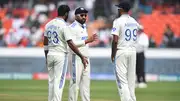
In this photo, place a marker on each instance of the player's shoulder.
(51, 22)
(117, 21)
(133, 20)
(55, 24)
(48, 24)
(60, 22)
(73, 25)
(121, 19)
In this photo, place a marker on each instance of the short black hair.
(63, 9)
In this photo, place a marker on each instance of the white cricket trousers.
(125, 64)
(57, 67)
(80, 80)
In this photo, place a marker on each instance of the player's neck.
(124, 13)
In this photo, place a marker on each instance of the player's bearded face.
(81, 18)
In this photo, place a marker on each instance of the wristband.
(79, 43)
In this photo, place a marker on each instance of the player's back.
(127, 32)
(54, 32)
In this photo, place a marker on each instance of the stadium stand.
(32, 20)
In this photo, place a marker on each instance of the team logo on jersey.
(82, 8)
(113, 29)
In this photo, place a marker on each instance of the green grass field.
(36, 90)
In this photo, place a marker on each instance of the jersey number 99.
(52, 37)
(131, 34)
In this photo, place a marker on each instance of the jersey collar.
(61, 19)
(124, 15)
(81, 25)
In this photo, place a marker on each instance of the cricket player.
(124, 52)
(80, 76)
(55, 48)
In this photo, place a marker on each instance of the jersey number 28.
(130, 34)
(53, 37)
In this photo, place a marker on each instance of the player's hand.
(92, 38)
(95, 37)
(84, 61)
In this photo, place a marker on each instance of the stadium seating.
(155, 23)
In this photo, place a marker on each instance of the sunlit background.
(22, 62)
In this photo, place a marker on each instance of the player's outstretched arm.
(92, 38)
(114, 47)
(75, 49)
(89, 40)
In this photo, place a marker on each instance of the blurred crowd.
(22, 21)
